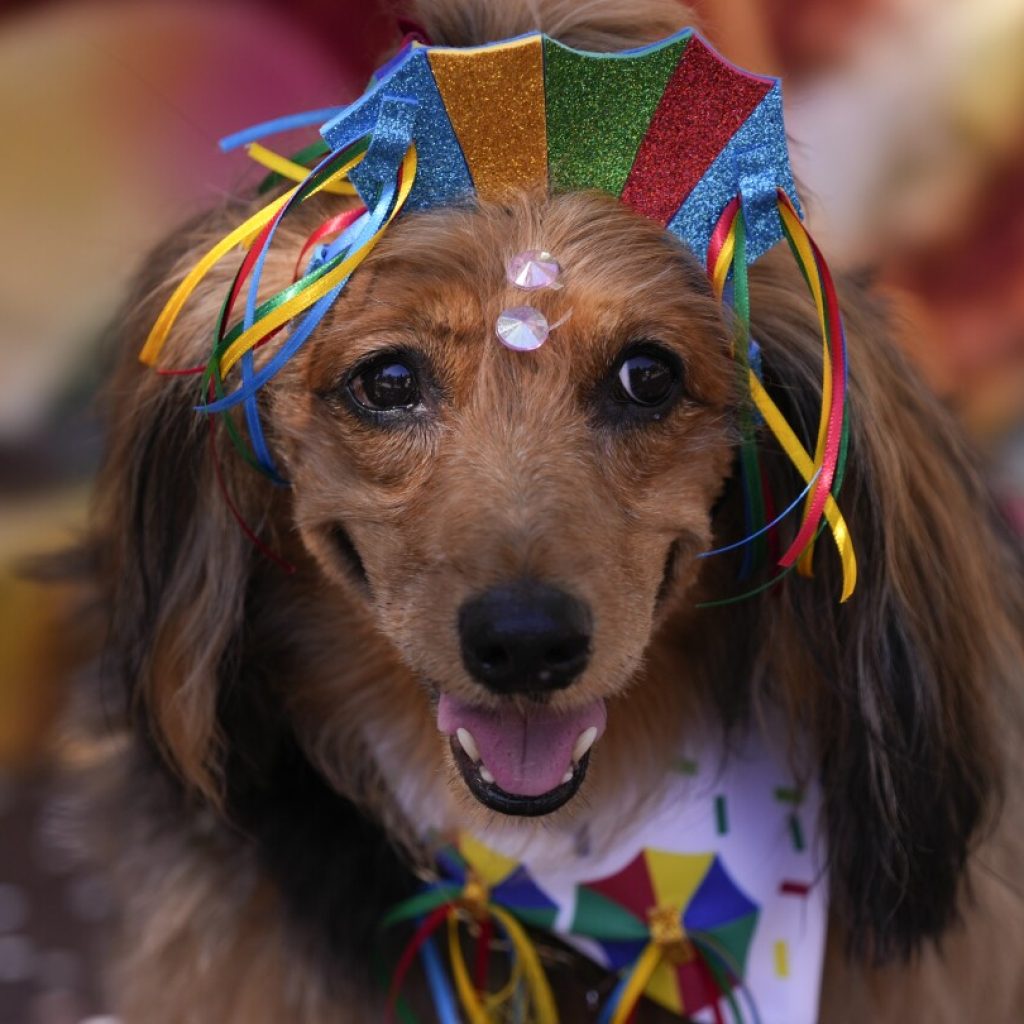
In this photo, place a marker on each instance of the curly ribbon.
(259, 457)
(442, 905)
(791, 507)
(395, 122)
(468, 995)
(426, 928)
(833, 431)
(445, 904)
(251, 269)
(526, 954)
(715, 955)
(389, 148)
(298, 299)
(318, 289)
(244, 234)
(823, 473)
(389, 145)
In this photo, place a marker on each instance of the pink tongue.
(527, 753)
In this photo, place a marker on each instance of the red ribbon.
(483, 954)
(333, 226)
(720, 234)
(222, 486)
(430, 925)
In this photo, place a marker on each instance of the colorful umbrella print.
(508, 883)
(493, 891)
(687, 911)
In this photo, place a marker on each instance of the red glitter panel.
(704, 104)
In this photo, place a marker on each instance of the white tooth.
(486, 775)
(567, 777)
(584, 743)
(468, 744)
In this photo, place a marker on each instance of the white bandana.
(728, 856)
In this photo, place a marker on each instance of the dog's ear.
(173, 563)
(900, 685)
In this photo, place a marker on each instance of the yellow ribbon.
(290, 169)
(527, 961)
(725, 257)
(642, 974)
(475, 1010)
(244, 235)
(803, 246)
(536, 980)
(498, 999)
(806, 468)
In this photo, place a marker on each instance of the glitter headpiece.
(680, 135)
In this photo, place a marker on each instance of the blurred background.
(908, 123)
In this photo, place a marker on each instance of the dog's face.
(515, 526)
(515, 521)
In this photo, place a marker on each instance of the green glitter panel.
(598, 110)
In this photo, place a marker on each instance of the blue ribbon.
(313, 316)
(437, 979)
(768, 526)
(278, 125)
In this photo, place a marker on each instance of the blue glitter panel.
(442, 177)
(395, 129)
(754, 162)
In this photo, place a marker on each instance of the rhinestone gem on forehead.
(522, 328)
(525, 328)
(533, 270)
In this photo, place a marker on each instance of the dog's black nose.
(524, 638)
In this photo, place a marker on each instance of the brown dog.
(263, 744)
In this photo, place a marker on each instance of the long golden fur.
(253, 741)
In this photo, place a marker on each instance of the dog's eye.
(386, 383)
(643, 384)
(646, 379)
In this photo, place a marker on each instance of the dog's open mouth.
(523, 761)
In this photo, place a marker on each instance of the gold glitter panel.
(495, 101)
